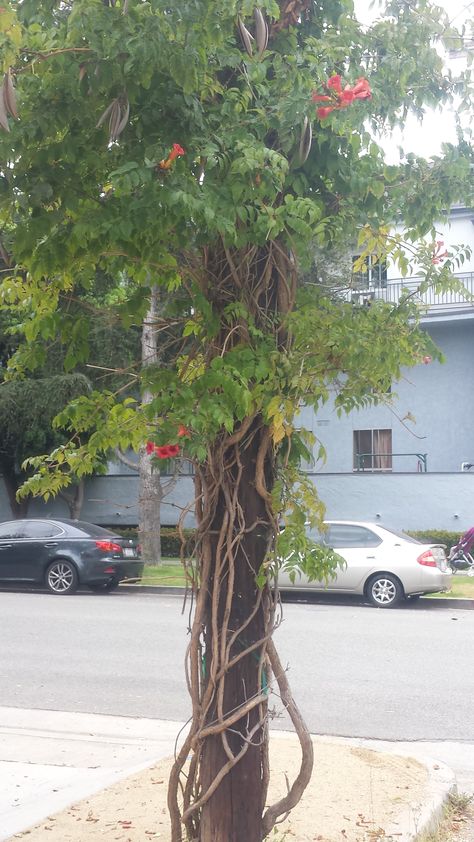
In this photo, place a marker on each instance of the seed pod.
(306, 140)
(9, 97)
(114, 122)
(104, 115)
(246, 37)
(118, 113)
(123, 122)
(261, 32)
(3, 112)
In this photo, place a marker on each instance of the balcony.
(433, 303)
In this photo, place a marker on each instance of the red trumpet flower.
(175, 152)
(339, 96)
(438, 256)
(165, 451)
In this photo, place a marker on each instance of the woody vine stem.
(231, 661)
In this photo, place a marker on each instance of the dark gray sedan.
(63, 554)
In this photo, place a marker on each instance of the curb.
(425, 602)
(414, 823)
(442, 785)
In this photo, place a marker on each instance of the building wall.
(112, 500)
(402, 501)
(439, 396)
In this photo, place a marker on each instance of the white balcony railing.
(429, 299)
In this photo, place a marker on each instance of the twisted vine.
(231, 661)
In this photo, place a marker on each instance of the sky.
(438, 127)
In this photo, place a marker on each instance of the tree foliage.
(27, 410)
(179, 146)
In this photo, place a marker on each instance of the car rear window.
(404, 535)
(92, 529)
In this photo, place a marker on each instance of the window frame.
(376, 276)
(372, 451)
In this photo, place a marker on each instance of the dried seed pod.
(246, 37)
(104, 115)
(114, 121)
(3, 113)
(261, 32)
(9, 96)
(118, 113)
(124, 120)
(306, 140)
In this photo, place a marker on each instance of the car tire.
(61, 577)
(104, 587)
(384, 590)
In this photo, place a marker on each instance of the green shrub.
(170, 540)
(126, 531)
(436, 536)
(171, 543)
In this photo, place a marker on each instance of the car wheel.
(384, 590)
(104, 587)
(61, 577)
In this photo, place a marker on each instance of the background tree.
(27, 409)
(29, 405)
(180, 146)
(152, 488)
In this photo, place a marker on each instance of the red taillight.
(108, 547)
(427, 559)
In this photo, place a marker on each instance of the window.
(40, 529)
(372, 450)
(373, 274)
(14, 529)
(344, 535)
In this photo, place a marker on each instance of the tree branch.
(125, 460)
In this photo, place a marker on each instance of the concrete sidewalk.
(51, 759)
(48, 759)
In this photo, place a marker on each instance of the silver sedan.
(381, 564)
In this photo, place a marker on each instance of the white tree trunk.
(150, 495)
(150, 492)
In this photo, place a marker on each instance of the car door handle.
(370, 556)
(5, 547)
(52, 544)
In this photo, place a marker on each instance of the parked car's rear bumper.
(131, 569)
(113, 569)
(432, 580)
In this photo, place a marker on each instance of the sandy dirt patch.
(355, 795)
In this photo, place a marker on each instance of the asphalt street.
(399, 680)
(403, 674)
